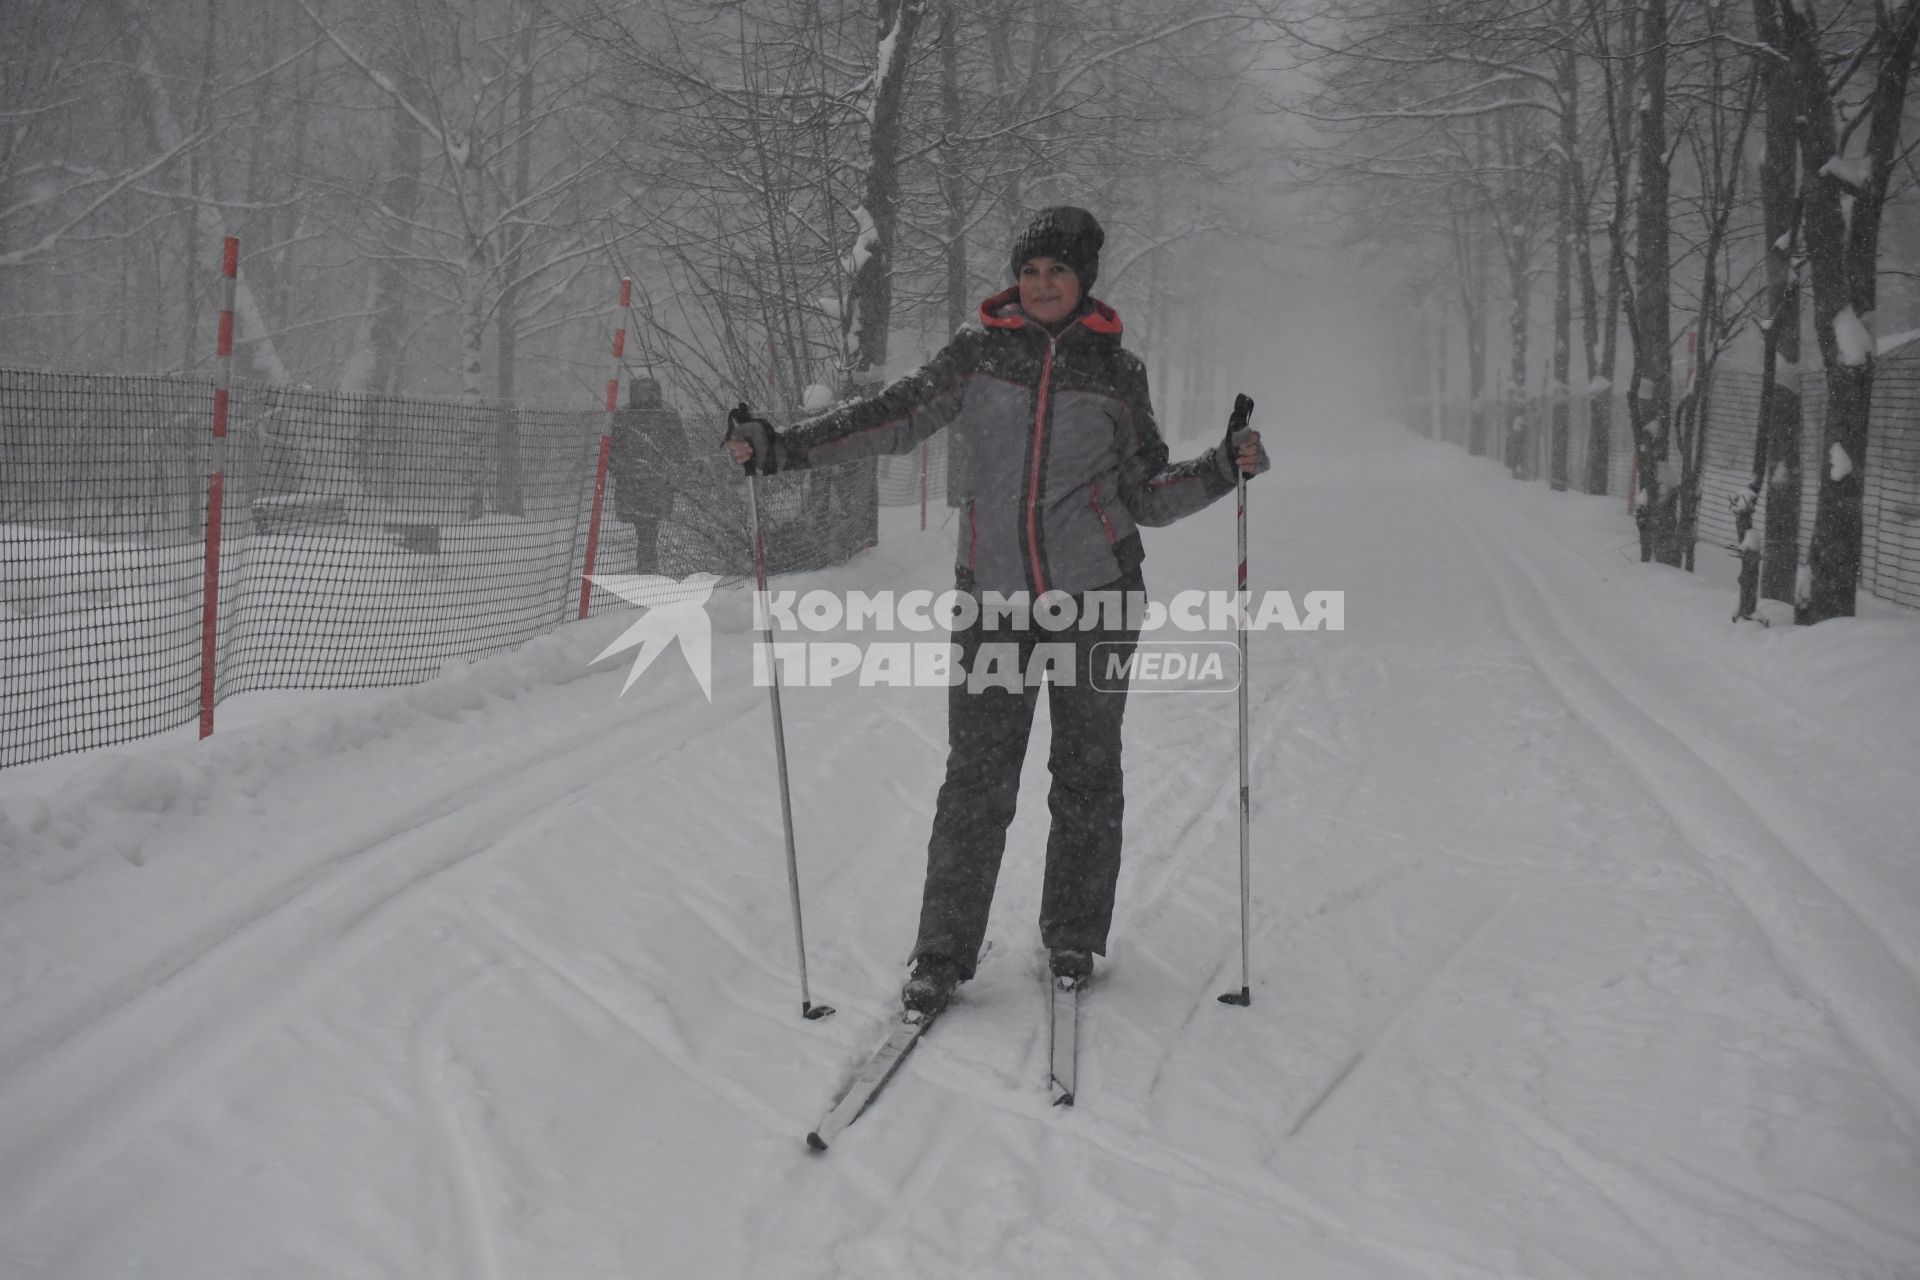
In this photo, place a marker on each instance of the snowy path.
(1578, 953)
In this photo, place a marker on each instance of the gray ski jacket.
(1054, 445)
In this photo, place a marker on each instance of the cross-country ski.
(1063, 1013)
(902, 1035)
(1063, 1038)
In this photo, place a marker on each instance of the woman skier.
(1060, 462)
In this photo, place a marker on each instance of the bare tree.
(484, 95)
(72, 183)
(1844, 181)
(1773, 559)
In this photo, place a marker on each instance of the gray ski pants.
(987, 730)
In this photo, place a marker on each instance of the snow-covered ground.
(1587, 944)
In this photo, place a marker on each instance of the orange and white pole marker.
(216, 487)
(606, 442)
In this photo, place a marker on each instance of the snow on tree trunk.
(870, 259)
(1833, 557)
(1747, 543)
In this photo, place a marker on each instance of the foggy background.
(440, 199)
(1347, 205)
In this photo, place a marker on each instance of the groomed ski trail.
(1508, 1021)
(1696, 777)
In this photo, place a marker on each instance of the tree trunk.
(1651, 397)
(1518, 427)
(508, 492)
(474, 280)
(1833, 556)
(952, 185)
(1776, 462)
(1599, 389)
(1620, 129)
(1572, 228)
(1473, 311)
(198, 185)
(877, 219)
(1843, 250)
(1477, 366)
(406, 154)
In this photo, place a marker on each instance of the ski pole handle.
(1239, 431)
(757, 433)
(1240, 421)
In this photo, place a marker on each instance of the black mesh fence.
(1890, 506)
(1727, 462)
(1890, 560)
(910, 478)
(368, 540)
(102, 510)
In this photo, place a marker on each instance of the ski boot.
(1070, 968)
(930, 988)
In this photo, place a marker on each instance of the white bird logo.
(675, 610)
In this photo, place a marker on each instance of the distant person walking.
(648, 445)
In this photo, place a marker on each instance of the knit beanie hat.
(1065, 234)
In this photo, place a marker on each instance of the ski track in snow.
(1255, 1190)
(1216, 813)
(1355, 1066)
(1652, 1205)
(1773, 877)
(68, 1108)
(653, 1025)
(465, 1183)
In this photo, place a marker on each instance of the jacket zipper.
(1033, 483)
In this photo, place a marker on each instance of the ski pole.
(740, 417)
(1237, 427)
